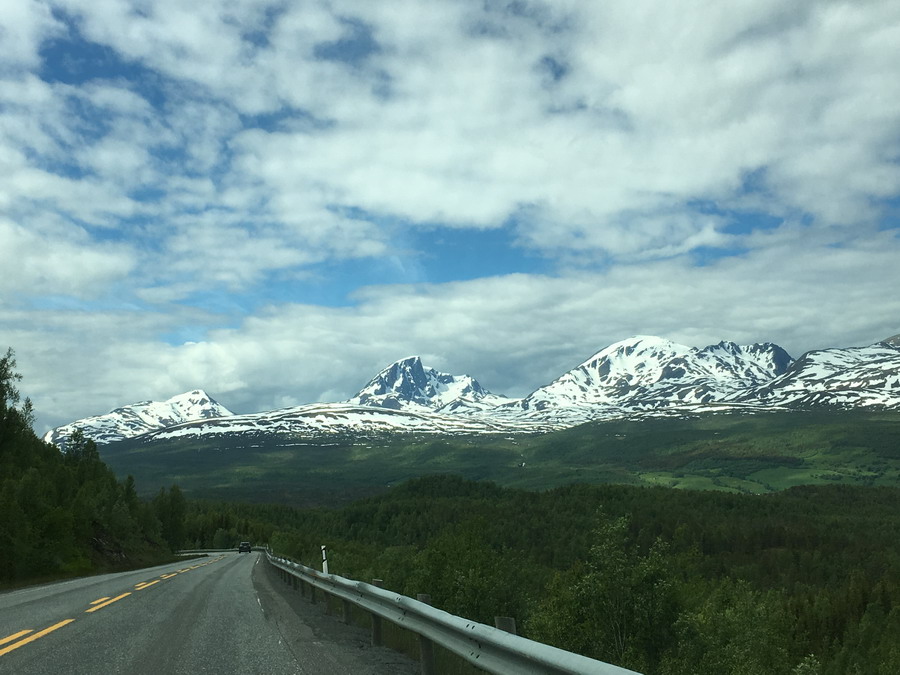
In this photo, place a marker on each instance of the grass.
(733, 452)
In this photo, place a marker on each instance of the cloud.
(634, 128)
(605, 125)
(23, 26)
(53, 260)
(175, 173)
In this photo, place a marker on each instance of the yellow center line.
(168, 576)
(141, 587)
(99, 600)
(32, 638)
(108, 602)
(15, 635)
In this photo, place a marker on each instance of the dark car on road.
(244, 547)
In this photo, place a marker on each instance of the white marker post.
(324, 561)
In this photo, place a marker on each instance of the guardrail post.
(506, 623)
(426, 646)
(346, 605)
(376, 620)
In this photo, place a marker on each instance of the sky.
(273, 201)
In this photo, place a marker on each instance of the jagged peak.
(410, 382)
(409, 369)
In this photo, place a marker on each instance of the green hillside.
(728, 451)
(66, 514)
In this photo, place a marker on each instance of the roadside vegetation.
(66, 514)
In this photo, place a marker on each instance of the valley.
(735, 452)
(642, 411)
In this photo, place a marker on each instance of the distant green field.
(726, 451)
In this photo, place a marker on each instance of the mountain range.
(638, 377)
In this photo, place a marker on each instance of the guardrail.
(201, 551)
(490, 649)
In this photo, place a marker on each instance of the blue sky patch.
(357, 45)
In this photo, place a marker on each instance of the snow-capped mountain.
(409, 385)
(139, 418)
(646, 373)
(638, 377)
(847, 378)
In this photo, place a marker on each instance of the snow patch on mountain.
(333, 419)
(139, 418)
(850, 377)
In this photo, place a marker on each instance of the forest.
(67, 514)
(658, 580)
(664, 581)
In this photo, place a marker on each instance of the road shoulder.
(306, 627)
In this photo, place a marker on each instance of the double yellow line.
(14, 642)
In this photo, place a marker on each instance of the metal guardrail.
(201, 551)
(486, 647)
(206, 551)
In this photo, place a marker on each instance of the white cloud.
(457, 117)
(612, 136)
(23, 26)
(655, 111)
(53, 259)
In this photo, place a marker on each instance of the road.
(225, 613)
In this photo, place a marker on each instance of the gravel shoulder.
(318, 640)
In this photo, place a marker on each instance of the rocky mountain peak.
(652, 372)
(409, 384)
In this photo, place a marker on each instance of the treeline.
(658, 580)
(66, 514)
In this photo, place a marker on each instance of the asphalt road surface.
(227, 613)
